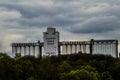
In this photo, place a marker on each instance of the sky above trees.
(26, 20)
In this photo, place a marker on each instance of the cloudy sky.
(26, 20)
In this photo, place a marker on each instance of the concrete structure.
(27, 49)
(51, 42)
(52, 46)
(107, 47)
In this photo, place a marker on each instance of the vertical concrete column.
(111, 48)
(15, 49)
(84, 47)
(91, 46)
(70, 48)
(87, 48)
(34, 50)
(102, 50)
(63, 49)
(116, 48)
(66, 48)
(12, 50)
(75, 48)
(80, 48)
(40, 51)
(20, 50)
(24, 50)
(103, 47)
(29, 50)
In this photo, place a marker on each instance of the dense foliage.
(64, 67)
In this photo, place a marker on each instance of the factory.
(51, 46)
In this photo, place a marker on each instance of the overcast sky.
(26, 20)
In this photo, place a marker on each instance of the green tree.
(106, 76)
(85, 73)
(115, 70)
(64, 67)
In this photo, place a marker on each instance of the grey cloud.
(40, 14)
(98, 25)
(37, 15)
(25, 11)
(96, 18)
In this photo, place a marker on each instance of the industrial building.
(51, 45)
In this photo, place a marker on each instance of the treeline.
(64, 67)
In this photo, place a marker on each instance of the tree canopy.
(64, 67)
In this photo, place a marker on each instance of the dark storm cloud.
(43, 16)
(93, 19)
(69, 13)
(98, 25)
(26, 11)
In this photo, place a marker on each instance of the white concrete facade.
(51, 42)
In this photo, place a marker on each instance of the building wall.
(51, 40)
